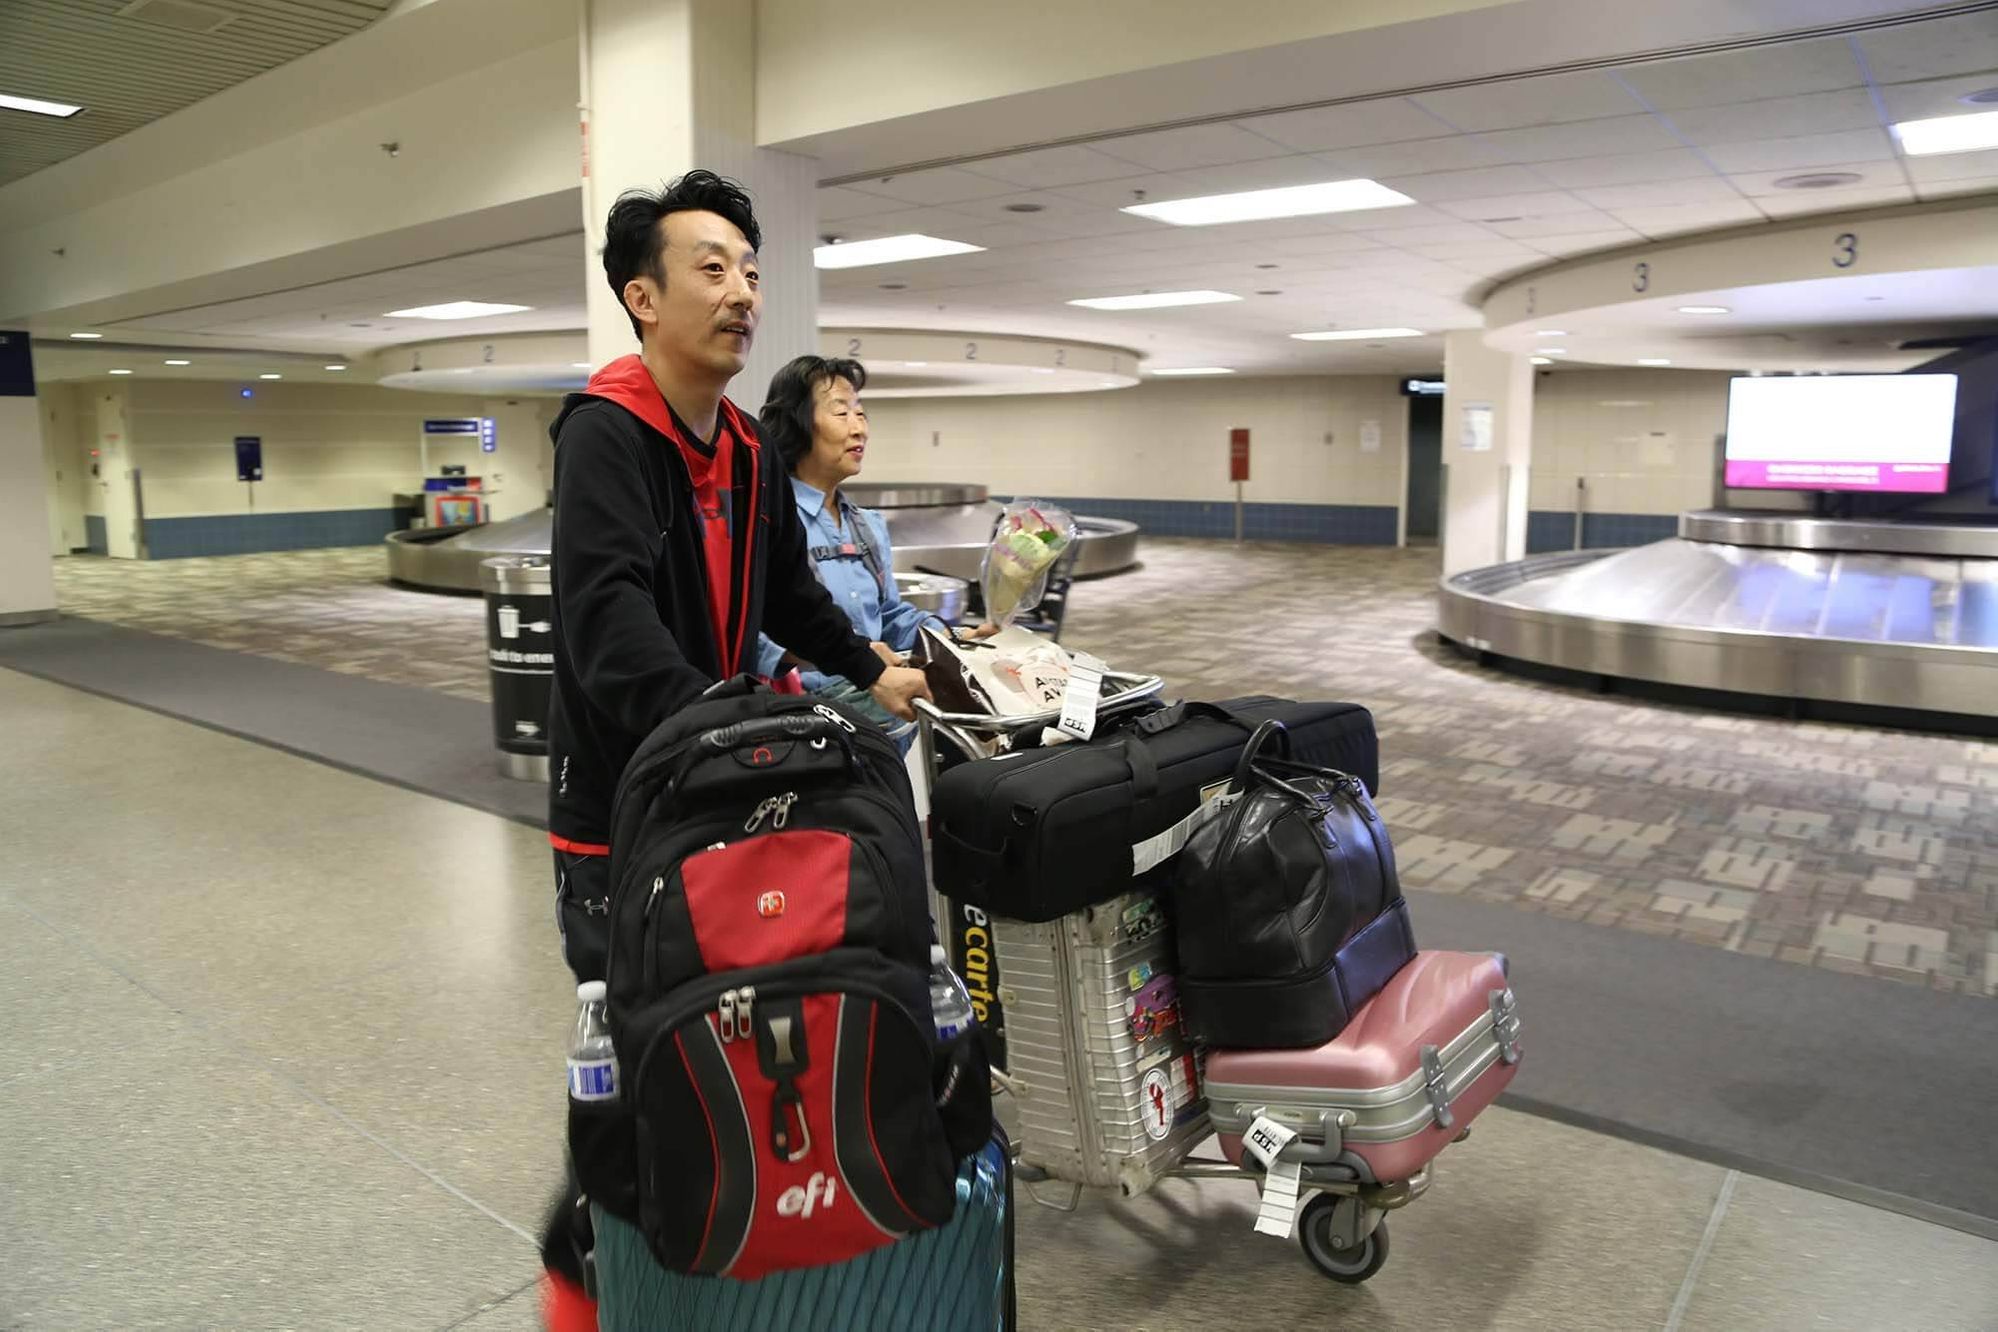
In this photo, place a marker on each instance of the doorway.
(1425, 468)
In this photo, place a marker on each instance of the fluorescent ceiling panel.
(1357, 334)
(1190, 370)
(60, 110)
(1336, 196)
(1948, 134)
(456, 310)
(887, 250)
(1155, 300)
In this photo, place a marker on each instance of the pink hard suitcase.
(1417, 1063)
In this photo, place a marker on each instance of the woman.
(814, 419)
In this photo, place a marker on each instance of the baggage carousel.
(939, 532)
(1892, 615)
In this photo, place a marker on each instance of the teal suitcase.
(956, 1278)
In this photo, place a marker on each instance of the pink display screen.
(1888, 433)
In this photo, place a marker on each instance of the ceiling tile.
(1589, 242)
(1672, 193)
(1443, 234)
(1942, 189)
(1774, 71)
(1494, 250)
(1190, 146)
(1935, 97)
(1777, 117)
(1556, 224)
(1412, 157)
(1953, 166)
(1963, 45)
(1539, 204)
(1441, 186)
(1801, 203)
(1044, 168)
(1125, 191)
(1390, 219)
(1809, 150)
(1547, 100)
(1625, 169)
(837, 204)
(1387, 121)
(1872, 176)
(1268, 174)
(1677, 219)
(940, 185)
(1584, 138)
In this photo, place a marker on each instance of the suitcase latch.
(1505, 1024)
(1436, 1087)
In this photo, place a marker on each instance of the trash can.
(520, 657)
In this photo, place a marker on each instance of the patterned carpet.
(1856, 849)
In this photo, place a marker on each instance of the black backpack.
(783, 1100)
(1286, 906)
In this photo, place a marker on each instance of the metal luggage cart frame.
(1342, 1229)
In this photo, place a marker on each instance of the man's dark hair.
(786, 418)
(634, 240)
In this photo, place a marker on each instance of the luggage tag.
(1265, 1141)
(1078, 701)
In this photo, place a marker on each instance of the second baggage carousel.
(1891, 615)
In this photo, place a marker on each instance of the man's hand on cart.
(898, 689)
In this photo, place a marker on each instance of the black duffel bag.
(1042, 832)
(1287, 909)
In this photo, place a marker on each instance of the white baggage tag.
(1078, 702)
(1265, 1140)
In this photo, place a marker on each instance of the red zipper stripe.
(714, 1194)
(561, 843)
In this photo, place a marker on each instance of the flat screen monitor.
(1881, 433)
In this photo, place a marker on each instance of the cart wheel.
(1348, 1266)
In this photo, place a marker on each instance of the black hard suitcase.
(1037, 834)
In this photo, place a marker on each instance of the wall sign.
(1477, 434)
(451, 425)
(1422, 388)
(17, 366)
(249, 457)
(488, 435)
(1238, 454)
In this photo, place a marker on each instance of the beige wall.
(325, 446)
(1161, 440)
(1642, 440)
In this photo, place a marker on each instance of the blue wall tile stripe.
(252, 533)
(1332, 524)
(96, 537)
(1554, 529)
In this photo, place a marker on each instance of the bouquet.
(1031, 537)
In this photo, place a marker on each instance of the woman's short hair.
(786, 418)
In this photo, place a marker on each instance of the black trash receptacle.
(520, 656)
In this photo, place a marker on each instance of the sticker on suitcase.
(1168, 1096)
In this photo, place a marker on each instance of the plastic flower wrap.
(1032, 536)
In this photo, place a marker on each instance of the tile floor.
(1852, 848)
(283, 1052)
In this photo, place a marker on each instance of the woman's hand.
(982, 631)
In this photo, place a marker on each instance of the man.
(676, 543)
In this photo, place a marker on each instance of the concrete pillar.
(669, 85)
(1487, 452)
(27, 578)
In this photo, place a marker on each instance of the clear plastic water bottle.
(950, 1002)
(592, 1061)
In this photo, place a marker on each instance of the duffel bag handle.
(1264, 734)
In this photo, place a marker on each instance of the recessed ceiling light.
(1704, 309)
(270, 376)
(1268, 265)
(335, 367)
(1109, 383)
(1948, 134)
(1193, 370)
(1155, 300)
(1540, 360)
(1550, 351)
(1501, 219)
(1333, 196)
(887, 250)
(1817, 180)
(1040, 370)
(1874, 298)
(1270, 291)
(1357, 334)
(179, 363)
(86, 337)
(121, 372)
(60, 110)
(457, 310)
(1550, 332)
(1982, 97)
(894, 286)
(1652, 360)
(915, 365)
(1024, 207)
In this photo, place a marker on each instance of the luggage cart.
(1342, 1228)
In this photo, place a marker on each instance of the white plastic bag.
(1031, 540)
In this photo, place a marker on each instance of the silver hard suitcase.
(1108, 1084)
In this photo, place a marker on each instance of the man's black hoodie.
(634, 640)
